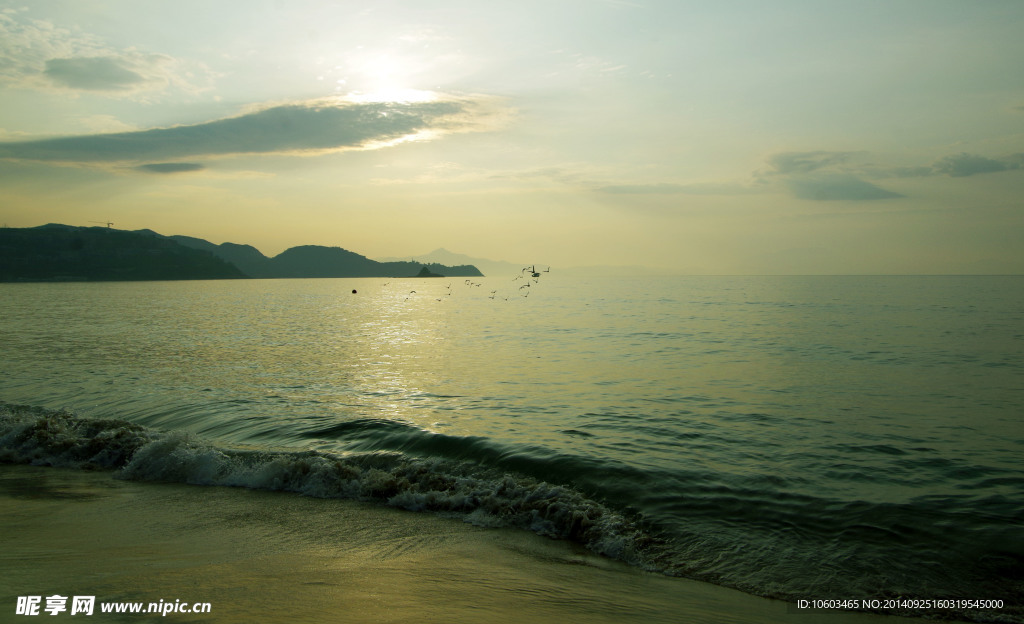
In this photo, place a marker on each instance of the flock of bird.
(530, 276)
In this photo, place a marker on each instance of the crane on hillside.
(107, 223)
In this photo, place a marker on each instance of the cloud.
(94, 73)
(822, 176)
(785, 163)
(836, 186)
(814, 175)
(964, 164)
(699, 188)
(306, 127)
(26, 44)
(171, 167)
(827, 176)
(1015, 161)
(38, 54)
(960, 165)
(909, 172)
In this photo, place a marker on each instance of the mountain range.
(58, 252)
(318, 261)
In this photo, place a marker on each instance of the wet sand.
(275, 557)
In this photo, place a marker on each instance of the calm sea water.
(788, 436)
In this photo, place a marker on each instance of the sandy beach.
(271, 557)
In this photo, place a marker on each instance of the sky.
(733, 137)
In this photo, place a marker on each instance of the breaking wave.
(761, 540)
(474, 493)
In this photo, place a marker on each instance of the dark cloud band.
(170, 167)
(699, 188)
(837, 186)
(306, 127)
(963, 165)
(805, 162)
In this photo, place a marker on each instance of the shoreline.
(272, 556)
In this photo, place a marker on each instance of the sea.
(787, 436)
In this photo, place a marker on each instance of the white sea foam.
(476, 495)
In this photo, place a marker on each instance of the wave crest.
(474, 493)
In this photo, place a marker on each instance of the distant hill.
(443, 256)
(318, 261)
(65, 253)
(499, 268)
(246, 257)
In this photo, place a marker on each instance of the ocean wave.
(750, 535)
(477, 494)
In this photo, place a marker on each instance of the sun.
(386, 78)
(392, 94)
(382, 69)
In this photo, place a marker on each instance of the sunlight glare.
(392, 94)
(387, 78)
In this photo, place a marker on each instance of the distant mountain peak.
(106, 246)
(318, 261)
